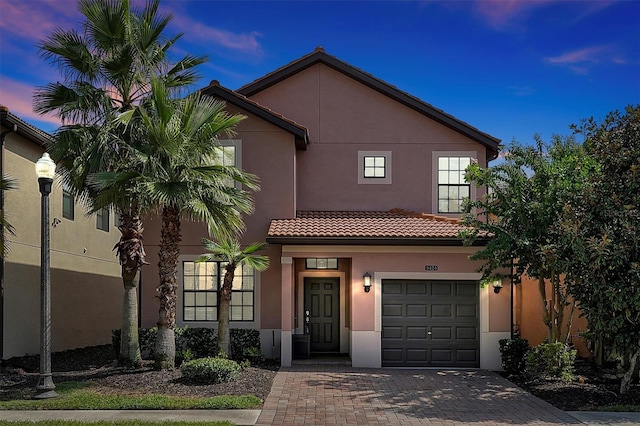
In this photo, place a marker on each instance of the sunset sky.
(508, 67)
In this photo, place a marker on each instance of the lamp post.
(46, 170)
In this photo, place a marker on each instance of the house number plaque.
(431, 268)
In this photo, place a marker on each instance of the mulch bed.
(19, 376)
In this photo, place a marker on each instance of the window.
(116, 219)
(321, 263)
(102, 219)
(452, 189)
(229, 154)
(68, 203)
(374, 167)
(201, 284)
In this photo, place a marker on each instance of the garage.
(430, 323)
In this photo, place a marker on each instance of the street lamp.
(46, 170)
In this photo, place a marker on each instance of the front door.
(322, 302)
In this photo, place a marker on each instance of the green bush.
(196, 343)
(551, 360)
(210, 370)
(513, 352)
(241, 339)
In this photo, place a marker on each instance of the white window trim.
(180, 322)
(435, 155)
(374, 180)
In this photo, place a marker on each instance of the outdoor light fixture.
(45, 170)
(366, 280)
(497, 286)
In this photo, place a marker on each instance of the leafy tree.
(525, 198)
(107, 69)
(602, 226)
(6, 183)
(180, 174)
(229, 250)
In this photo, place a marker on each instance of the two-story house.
(361, 191)
(86, 288)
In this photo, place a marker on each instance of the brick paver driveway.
(326, 395)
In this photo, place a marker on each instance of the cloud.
(196, 31)
(17, 96)
(522, 90)
(34, 20)
(504, 14)
(580, 60)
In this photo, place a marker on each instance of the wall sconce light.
(366, 282)
(497, 286)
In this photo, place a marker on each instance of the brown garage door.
(430, 323)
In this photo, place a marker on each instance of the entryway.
(322, 313)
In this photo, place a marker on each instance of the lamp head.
(45, 167)
(366, 282)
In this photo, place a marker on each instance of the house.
(86, 288)
(360, 206)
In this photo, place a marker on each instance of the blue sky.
(511, 68)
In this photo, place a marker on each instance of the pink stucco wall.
(344, 117)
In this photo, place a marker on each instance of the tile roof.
(395, 224)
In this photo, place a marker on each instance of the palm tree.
(180, 175)
(107, 69)
(229, 250)
(6, 183)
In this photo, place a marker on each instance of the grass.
(80, 396)
(110, 423)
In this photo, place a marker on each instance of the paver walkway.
(328, 395)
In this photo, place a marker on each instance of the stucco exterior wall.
(529, 316)
(344, 117)
(86, 288)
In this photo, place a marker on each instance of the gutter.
(381, 241)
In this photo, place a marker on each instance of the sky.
(511, 68)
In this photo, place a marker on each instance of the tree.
(107, 69)
(602, 225)
(229, 250)
(180, 174)
(525, 198)
(6, 183)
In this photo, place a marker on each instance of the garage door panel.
(389, 310)
(392, 332)
(430, 323)
(417, 310)
(414, 333)
(441, 311)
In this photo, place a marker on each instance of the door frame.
(299, 329)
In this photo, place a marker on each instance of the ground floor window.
(201, 296)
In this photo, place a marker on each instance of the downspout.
(511, 278)
(14, 128)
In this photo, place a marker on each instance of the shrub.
(253, 355)
(513, 352)
(210, 370)
(240, 339)
(551, 360)
(200, 341)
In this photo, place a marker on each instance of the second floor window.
(452, 189)
(374, 166)
(68, 204)
(102, 219)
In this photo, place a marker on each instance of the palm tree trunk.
(131, 255)
(170, 237)
(225, 304)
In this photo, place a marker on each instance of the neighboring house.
(358, 179)
(86, 291)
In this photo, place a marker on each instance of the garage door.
(430, 323)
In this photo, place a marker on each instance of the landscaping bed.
(95, 365)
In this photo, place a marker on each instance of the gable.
(320, 57)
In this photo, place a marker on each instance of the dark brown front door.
(322, 301)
